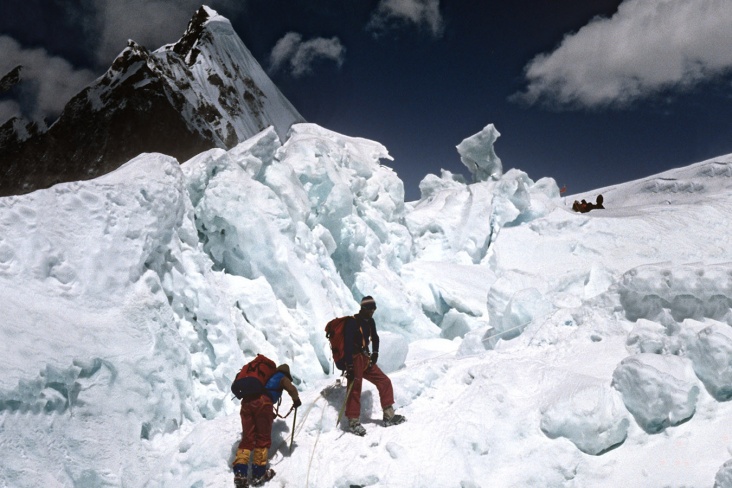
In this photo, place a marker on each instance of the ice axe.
(348, 393)
(340, 412)
(292, 439)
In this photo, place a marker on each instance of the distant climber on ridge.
(598, 203)
(584, 206)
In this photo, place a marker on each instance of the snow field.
(528, 345)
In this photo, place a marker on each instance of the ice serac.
(135, 317)
(592, 417)
(477, 153)
(204, 91)
(659, 390)
(457, 223)
(298, 215)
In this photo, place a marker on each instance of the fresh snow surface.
(528, 345)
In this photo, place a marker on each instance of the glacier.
(527, 343)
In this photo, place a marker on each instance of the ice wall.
(157, 281)
(152, 285)
(318, 219)
(110, 344)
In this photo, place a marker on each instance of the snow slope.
(528, 345)
(214, 71)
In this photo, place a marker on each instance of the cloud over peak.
(46, 82)
(642, 50)
(299, 56)
(150, 24)
(422, 13)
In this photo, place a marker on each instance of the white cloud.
(300, 56)
(8, 110)
(47, 82)
(419, 12)
(645, 48)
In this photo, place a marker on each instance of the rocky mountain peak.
(206, 90)
(10, 79)
(193, 33)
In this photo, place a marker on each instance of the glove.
(349, 372)
(296, 402)
(374, 358)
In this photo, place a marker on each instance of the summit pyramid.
(206, 90)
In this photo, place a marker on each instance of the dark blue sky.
(610, 101)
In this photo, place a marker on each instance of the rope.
(297, 429)
(296, 432)
(277, 409)
(307, 412)
(504, 331)
(315, 445)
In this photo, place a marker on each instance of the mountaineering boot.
(260, 480)
(354, 425)
(260, 473)
(240, 480)
(241, 468)
(391, 418)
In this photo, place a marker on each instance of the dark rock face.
(10, 79)
(77, 147)
(85, 142)
(145, 102)
(194, 32)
